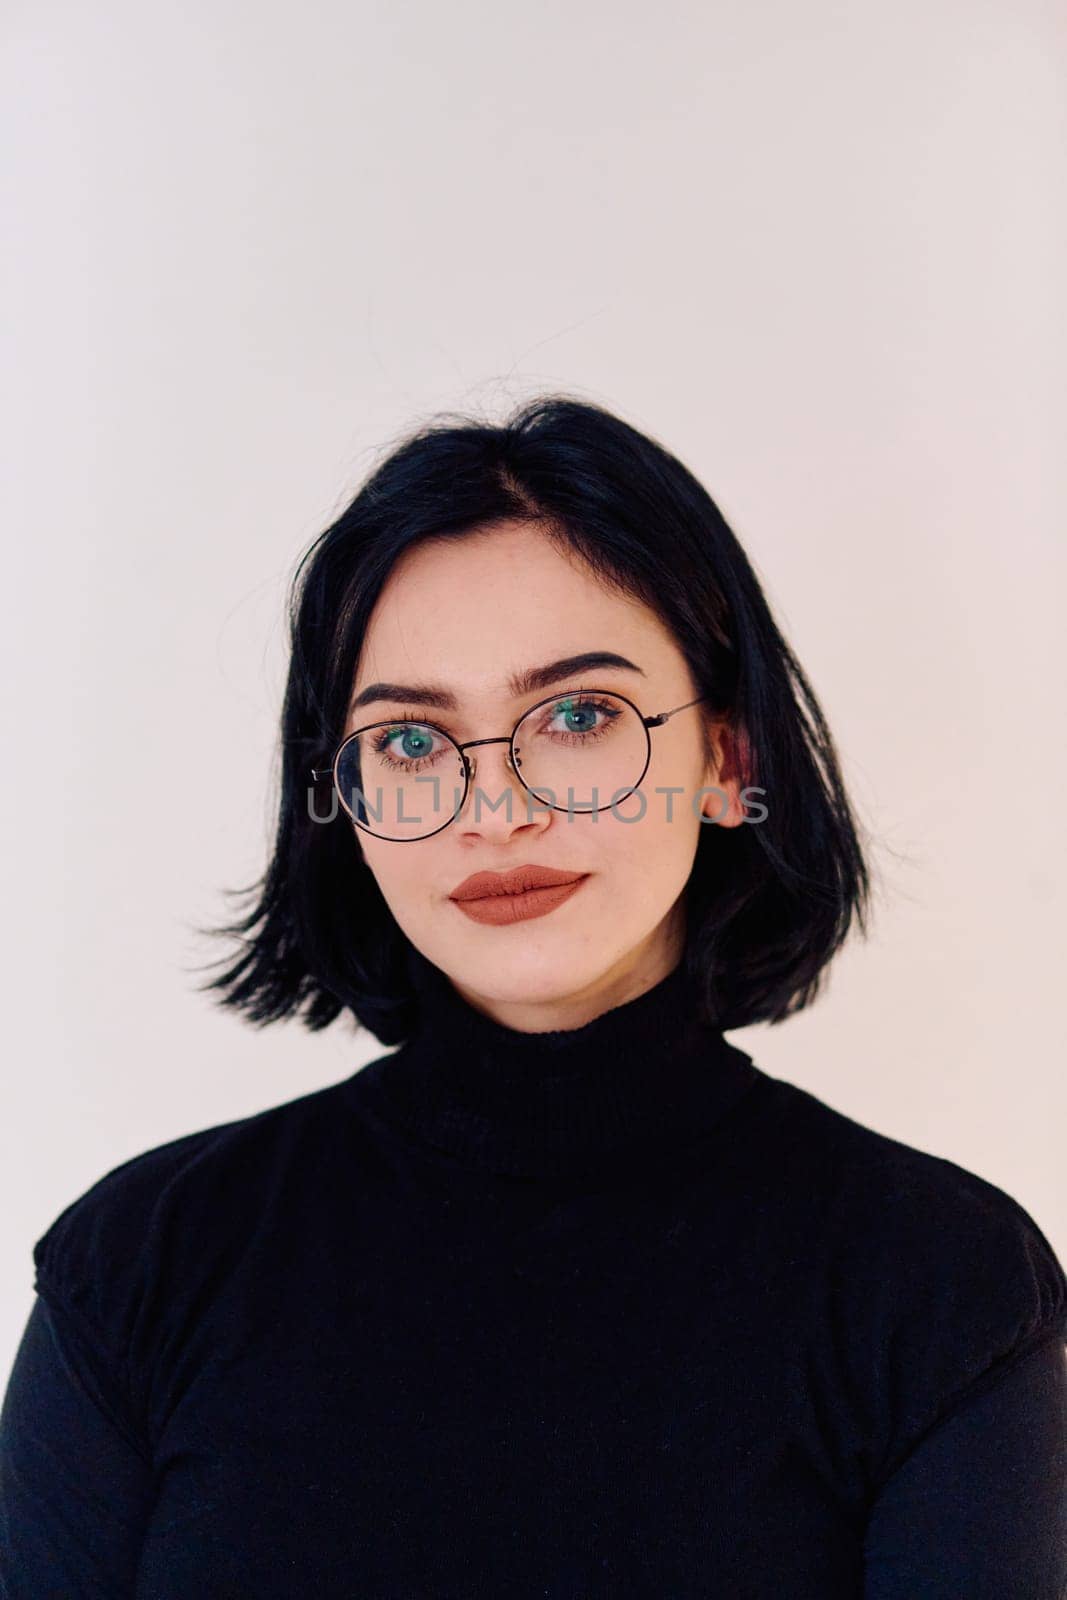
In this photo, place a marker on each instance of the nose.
(505, 761)
(492, 801)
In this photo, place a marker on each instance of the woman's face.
(466, 615)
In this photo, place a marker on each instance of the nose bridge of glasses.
(472, 761)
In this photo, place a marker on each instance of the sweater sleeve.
(949, 1283)
(74, 1479)
(75, 1434)
(979, 1507)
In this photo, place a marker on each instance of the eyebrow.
(520, 683)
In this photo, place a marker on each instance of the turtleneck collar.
(641, 1077)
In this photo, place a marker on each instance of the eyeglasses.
(608, 752)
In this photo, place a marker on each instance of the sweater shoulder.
(179, 1206)
(886, 1184)
(940, 1278)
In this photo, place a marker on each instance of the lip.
(500, 909)
(527, 891)
(519, 881)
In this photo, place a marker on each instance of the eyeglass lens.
(578, 751)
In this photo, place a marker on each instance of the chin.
(532, 977)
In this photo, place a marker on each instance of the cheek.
(389, 866)
(407, 875)
(684, 770)
(668, 824)
(649, 859)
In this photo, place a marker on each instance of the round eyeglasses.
(568, 751)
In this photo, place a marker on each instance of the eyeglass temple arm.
(654, 722)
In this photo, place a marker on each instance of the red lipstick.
(526, 891)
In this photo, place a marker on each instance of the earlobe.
(723, 806)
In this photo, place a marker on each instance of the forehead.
(472, 610)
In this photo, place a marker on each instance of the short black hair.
(768, 903)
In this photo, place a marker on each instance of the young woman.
(564, 1296)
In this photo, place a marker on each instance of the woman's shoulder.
(938, 1277)
(183, 1198)
(885, 1197)
(885, 1185)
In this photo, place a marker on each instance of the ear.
(724, 777)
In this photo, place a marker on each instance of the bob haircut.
(768, 903)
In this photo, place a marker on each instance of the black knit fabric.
(606, 1312)
(643, 1077)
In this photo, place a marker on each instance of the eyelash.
(408, 715)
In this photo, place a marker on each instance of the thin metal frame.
(514, 762)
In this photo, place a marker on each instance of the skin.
(448, 615)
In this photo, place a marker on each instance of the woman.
(564, 1296)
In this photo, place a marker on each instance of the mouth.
(518, 881)
(517, 905)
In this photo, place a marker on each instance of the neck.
(639, 1078)
(631, 978)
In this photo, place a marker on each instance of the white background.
(818, 250)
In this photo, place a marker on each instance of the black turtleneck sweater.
(607, 1312)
